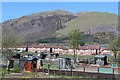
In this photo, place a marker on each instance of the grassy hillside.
(45, 25)
(89, 20)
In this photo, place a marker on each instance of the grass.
(53, 66)
(72, 56)
(4, 72)
(111, 58)
(88, 20)
(16, 70)
(25, 53)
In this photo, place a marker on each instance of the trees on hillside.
(74, 41)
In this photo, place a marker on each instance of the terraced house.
(82, 50)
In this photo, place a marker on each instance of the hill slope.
(91, 22)
(48, 24)
(39, 25)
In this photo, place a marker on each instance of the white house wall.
(69, 51)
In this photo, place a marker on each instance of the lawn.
(111, 58)
(72, 56)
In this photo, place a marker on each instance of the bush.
(16, 70)
(4, 72)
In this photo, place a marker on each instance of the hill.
(91, 22)
(46, 25)
(39, 25)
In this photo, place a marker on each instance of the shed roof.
(99, 56)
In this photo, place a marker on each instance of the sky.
(60, 0)
(12, 10)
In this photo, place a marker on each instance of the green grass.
(72, 56)
(52, 66)
(111, 58)
(88, 20)
(4, 72)
(26, 53)
(55, 66)
(16, 70)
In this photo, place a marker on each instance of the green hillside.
(44, 25)
(89, 20)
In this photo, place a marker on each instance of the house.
(106, 51)
(45, 48)
(86, 50)
(82, 50)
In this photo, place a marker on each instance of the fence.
(82, 74)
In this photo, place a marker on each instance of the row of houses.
(82, 50)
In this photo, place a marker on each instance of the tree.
(74, 41)
(82, 43)
(9, 42)
(114, 46)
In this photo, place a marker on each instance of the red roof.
(105, 49)
(87, 47)
(44, 46)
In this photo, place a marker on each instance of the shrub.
(4, 72)
(16, 70)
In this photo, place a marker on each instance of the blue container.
(106, 70)
(113, 65)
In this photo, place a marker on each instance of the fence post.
(98, 73)
(54, 72)
(19, 63)
(91, 76)
(106, 76)
(113, 73)
(65, 73)
(71, 70)
(48, 69)
(59, 64)
(84, 71)
(77, 73)
(43, 70)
